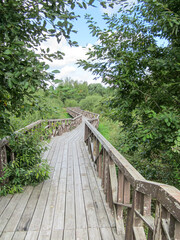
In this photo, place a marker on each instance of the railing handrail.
(132, 191)
(157, 190)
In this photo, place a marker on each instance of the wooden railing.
(53, 127)
(142, 209)
(93, 118)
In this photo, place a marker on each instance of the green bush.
(71, 103)
(28, 167)
(90, 102)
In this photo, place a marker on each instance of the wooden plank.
(5, 216)
(19, 235)
(107, 233)
(157, 234)
(94, 234)
(90, 210)
(39, 211)
(29, 210)
(79, 199)
(32, 235)
(15, 218)
(69, 234)
(106, 207)
(4, 202)
(139, 233)
(100, 164)
(50, 206)
(98, 203)
(42, 201)
(57, 235)
(88, 200)
(81, 234)
(44, 235)
(165, 228)
(7, 235)
(59, 212)
(177, 231)
(70, 207)
(113, 179)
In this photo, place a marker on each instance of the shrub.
(28, 168)
(71, 103)
(90, 102)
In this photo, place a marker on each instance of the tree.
(90, 102)
(145, 77)
(96, 88)
(24, 25)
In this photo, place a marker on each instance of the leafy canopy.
(24, 25)
(145, 77)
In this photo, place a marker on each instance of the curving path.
(68, 206)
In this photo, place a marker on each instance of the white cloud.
(67, 66)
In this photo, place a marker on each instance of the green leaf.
(84, 5)
(103, 4)
(7, 52)
(55, 71)
(26, 85)
(46, 66)
(90, 2)
(10, 83)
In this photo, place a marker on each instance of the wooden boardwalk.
(70, 205)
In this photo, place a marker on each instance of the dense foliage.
(145, 77)
(27, 168)
(24, 25)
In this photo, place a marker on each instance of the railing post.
(99, 164)
(86, 132)
(3, 159)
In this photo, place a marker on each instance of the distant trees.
(72, 92)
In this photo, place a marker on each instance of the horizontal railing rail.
(142, 209)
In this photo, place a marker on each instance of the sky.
(68, 66)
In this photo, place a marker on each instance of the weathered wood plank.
(44, 235)
(4, 203)
(69, 234)
(94, 234)
(81, 234)
(19, 235)
(42, 201)
(15, 218)
(9, 211)
(29, 210)
(7, 235)
(79, 200)
(32, 235)
(57, 235)
(70, 205)
(98, 203)
(107, 233)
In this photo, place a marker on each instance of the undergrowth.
(28, 167)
